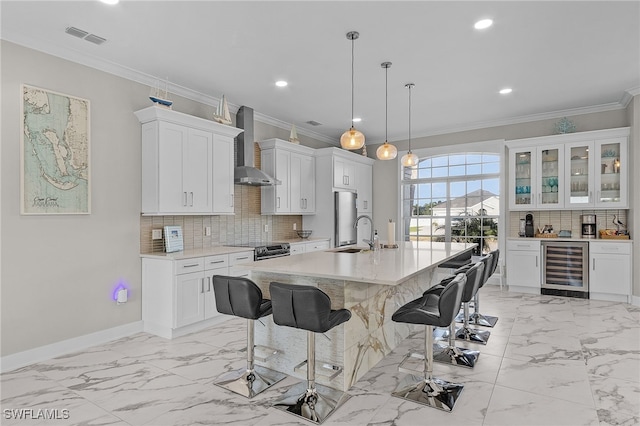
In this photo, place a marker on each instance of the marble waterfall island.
(372, 284)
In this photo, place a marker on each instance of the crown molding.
(622, 104)
(149, 80)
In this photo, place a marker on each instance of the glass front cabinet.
(536, 177)
(575, 170)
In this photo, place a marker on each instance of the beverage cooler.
(565, 268)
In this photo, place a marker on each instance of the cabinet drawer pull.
(242, 258)
(184, 202)
(209, 279)
(231, 200)
(202, 285)
(190, 266)
(191, 199)
(213, 262)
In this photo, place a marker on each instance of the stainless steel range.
(264, 251)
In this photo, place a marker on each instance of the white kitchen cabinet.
(524, 265)
(309, 246)
(189, 299)
(598, 173)
(573, 170)
(344, 173)
(364, 187)
(236, 260)
(297, 248)
(223, 165)
(610, 270)
(178, 295)
(214, 265)
(294, 166)
(536, 177)
(178, 156)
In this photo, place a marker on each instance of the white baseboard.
(42, 353)
(635, 300)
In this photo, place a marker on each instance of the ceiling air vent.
(76, 32)
(314, 123)
(95, 39)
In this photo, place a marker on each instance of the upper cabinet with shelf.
(575, 170)
(187, 164)
(294, 166)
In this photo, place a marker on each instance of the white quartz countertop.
(386, 266)
(189, 254)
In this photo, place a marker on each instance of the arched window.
(453, 197)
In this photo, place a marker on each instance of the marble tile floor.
(549, 361)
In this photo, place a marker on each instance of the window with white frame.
(453, 197)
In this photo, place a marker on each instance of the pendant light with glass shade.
(409, 159)
(386, 151)
(352, 138)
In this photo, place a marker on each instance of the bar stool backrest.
(475, 274)
(240, 297)
(450, 299)
(300, 306)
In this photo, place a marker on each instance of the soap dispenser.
(376, 241)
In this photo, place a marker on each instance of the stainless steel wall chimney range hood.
(245, 172)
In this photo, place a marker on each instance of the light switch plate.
(156, 234)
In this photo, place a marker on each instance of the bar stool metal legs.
(254, 379)
(308, 400)
(469, 334)
(434, 392)
(451, 354)
(477, 318)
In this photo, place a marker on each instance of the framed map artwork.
(54, 171)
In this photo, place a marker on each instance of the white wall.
(58, 271)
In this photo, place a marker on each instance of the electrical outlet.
(295, 226)
(207, 231)
(156, 234)
(266, 228)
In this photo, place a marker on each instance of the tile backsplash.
(247, 225)
(566, 220)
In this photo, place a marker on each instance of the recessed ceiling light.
(281, 83)
(110, 1)
(356, 119)
(506, 91)
(483, 23)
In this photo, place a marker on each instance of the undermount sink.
(349, 250)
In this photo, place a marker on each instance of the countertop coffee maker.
(528, 225)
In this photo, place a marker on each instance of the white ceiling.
(560, 58)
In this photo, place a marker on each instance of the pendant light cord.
(386, 104)
(352, 62)
(409, 117)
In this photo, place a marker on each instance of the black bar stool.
(308, 308)
(243, 298)
(451, 354)
(431, 310)
(477, 318)
(465, 332)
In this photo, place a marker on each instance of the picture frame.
(55, 172)
(173, 240)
